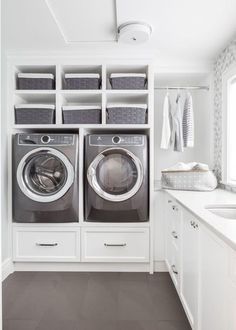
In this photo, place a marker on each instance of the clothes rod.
(184, 87)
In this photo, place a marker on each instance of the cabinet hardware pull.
(108, 244)
(196, 226)
(46, 244)
(169, 201)
(174, 269)
(174, 208)
(174, 234)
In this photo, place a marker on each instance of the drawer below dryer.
(115, 245)
(46, 244)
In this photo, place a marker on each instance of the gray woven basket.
(35, 81)
(189, 180)
(118, 81)
(82, 81)
(81, 115)
(126, 115)
(34, 115)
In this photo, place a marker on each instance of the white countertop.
(196, 201)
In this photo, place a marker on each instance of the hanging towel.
(166, 124)
(188, 122)
(177, 126)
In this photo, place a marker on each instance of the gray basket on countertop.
(35, 114)
(128, 80)
(35, 81)
(81, 114)
(195, 180)
(126, 114)
(82, 81)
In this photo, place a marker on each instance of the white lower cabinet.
(231, 302)
(115, 244)
(213, 274)
(190, 266)
(172, 233)
(46, 244)
(206, 271)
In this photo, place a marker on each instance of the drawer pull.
(174, 234)
(109, 244)
(46, 244)
(174, 208)
(174, 269)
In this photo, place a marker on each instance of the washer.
(45, 187)
(116, 184)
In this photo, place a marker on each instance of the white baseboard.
(160, 266)
(7, 268)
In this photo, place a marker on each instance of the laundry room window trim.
(229, 127)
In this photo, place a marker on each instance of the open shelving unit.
(103, 96)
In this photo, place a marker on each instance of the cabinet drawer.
(45, 244)
(115, 245)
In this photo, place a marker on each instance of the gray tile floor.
(91, 301)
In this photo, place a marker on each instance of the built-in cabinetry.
(206, 279)
(82, 242)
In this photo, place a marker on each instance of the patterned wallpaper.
(226, 58)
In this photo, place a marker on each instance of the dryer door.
(45, 175)
(116, 174)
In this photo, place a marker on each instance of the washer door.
(45, 175)
(115, 174)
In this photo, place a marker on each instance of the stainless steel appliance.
(45, 184)
(116, 183)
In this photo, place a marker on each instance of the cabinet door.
(231, 296)
(213, 282)
(172, 238)
(190, 267)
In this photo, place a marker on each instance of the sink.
(224, 211)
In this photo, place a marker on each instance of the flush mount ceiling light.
(134, 32)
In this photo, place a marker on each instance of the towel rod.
(184, 87)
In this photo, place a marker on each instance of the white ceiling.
(182, 29)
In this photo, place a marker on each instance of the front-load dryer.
(116, 183)
(45, 178)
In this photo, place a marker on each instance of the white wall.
(203, 149)
(4, 171)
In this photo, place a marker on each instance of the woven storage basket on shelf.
(128, 80)
(81, 114)
(198, 180)
(35, 114)
(35, 81)
(126, 114)
(82, 81)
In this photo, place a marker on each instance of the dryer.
(116, 184)
(45, 186)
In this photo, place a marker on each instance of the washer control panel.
(45, 139)
(118, 139)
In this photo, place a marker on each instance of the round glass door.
(45, 175)
(115, 174)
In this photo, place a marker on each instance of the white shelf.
(128, 91)
(77, 126)
(34, 91)
(80, 91)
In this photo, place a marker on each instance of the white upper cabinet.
(190, 266)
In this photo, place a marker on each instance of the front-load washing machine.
(45, 184)
(116, 183)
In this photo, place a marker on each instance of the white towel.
(177, 126)
(188, 122)
(166, 124)
(188, 167)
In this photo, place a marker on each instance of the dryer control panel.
(116, 139)
(45, 139)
